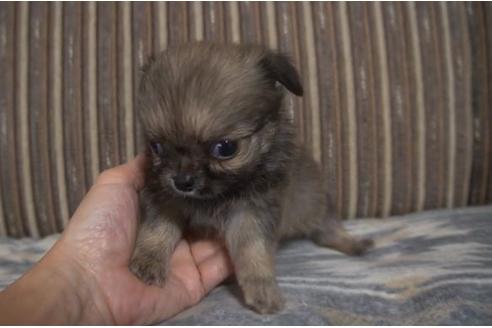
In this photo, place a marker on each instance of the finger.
(131, 173)
(203, 249)
(166, 302)
(215, 269)
(186, 288)
(182, 287)
(180, 293)
(181, 255)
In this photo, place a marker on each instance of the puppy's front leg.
(252, 251)
(155, 244)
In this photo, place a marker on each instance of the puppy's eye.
(157, 148)
(223, 149)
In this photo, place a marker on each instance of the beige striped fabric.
(397, 109)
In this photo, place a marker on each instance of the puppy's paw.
(361, 246)
(262, 295)
(340, 240)
(149, 270)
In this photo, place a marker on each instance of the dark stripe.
(107, 77)
(38, 111)
(214, 21)
(8, 146)
(432, 91)
(324, 30)
(410, 121)
(488, 28)
(481, 113)
(287, 35)
(55, 101)
(306, 108)
(89, 90)
(123, 108)
(401, 127)
(460, 48)
(250, 22)
(345, 78)
(22, 119)
(142, 49)
(72, 100)
(443, 142)
(362, 52)
(178, 19)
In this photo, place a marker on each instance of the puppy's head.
(214, 119)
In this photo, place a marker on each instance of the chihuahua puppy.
(225, 164)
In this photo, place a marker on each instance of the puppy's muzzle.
(184, 182)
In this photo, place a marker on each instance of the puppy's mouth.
(195, 192)
(191, 194)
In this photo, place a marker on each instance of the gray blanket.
(432, 268)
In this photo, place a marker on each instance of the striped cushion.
(397, 107)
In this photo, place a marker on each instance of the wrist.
(77, 287)
(54, 291)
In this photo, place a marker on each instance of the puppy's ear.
(278, 68)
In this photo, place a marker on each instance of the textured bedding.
(429, 268)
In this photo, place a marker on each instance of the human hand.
(86, 274)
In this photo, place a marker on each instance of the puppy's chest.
(208, 222)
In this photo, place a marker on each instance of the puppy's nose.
(184, 182)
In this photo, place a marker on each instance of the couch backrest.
(397, 107)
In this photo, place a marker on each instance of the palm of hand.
(99, 242)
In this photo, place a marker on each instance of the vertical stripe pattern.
(397, 104)
(349, 120)
(383, 103)
(90, 90)
(22, 110)
(418, 94)
(56, 105)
